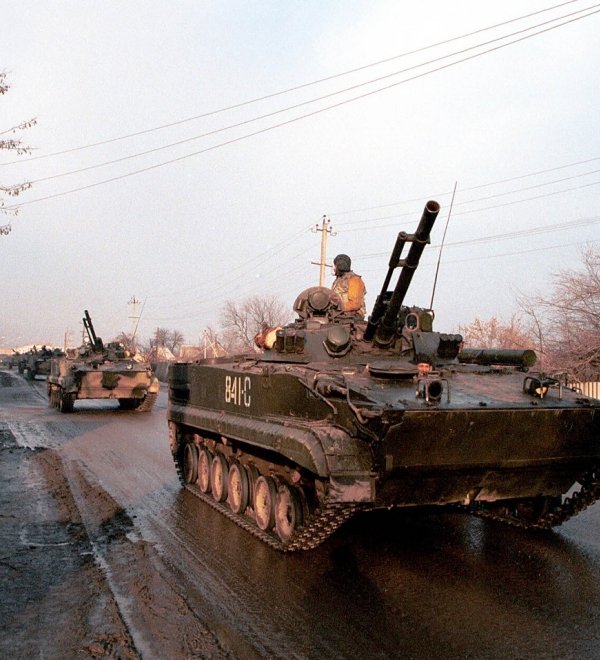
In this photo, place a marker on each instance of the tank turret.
(323, 331)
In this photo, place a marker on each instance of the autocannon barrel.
(509, 356)
(387, 326)
(88, 325)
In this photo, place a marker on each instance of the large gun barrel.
(382, 323)
(89, 328)
(380, 303)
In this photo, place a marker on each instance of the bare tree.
(568, 319)
(163, 338)
(128, 342)
(15, 145)
(174, 341)
(241, 321)
(495, 334)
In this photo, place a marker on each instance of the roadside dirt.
(68, 584)
(55, 603)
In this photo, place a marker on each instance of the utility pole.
(66, 339)
(209, 343)
(325, 229)
(134, 316)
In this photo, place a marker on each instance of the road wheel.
(238, 488)
(204, 462)
(265, 493)
(219, 472)
(190, 463)
(288, 512)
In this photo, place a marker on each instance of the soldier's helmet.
(342, 263)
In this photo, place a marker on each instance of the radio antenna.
(437, 268)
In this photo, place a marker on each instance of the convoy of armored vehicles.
(32, 363)
(341, 415)
(95, 370)
(338, 415)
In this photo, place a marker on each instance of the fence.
(591, 389)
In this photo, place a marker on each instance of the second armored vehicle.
(339, 415)
(36, 362)
(101, 371)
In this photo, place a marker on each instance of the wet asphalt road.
(186, 582)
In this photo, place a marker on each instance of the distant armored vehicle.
(339, 415)
(36, 362)
(19, 360)
(101, 371)
(12, 360)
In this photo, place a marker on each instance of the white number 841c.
(237, 390)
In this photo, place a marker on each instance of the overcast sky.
(227, 212)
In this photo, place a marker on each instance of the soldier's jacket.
(351, 289)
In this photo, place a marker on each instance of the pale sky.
(227, 214)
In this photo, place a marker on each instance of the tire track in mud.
(158, 617)
(54, 599)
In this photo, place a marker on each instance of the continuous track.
(558, 513)
(318, 526)
(148, 402)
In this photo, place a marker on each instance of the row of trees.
(239, 323)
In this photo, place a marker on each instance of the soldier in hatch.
(349, 286)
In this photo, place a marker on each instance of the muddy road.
(103, 555)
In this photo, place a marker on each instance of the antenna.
(437, 268)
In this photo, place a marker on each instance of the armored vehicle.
(101, 371)
(13, 360)
(339, 415)
(36, 362)
(19, 360)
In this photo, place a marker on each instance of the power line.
(479, 210)
(294, 119)
(295, 106)
(519, 252)
(205, 301)
(297, 87)
(453, 261)
(469, 189)
(532, 231)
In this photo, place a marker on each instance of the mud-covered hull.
(487, 455)
(109, 384)
(375, 445)
(133, 385)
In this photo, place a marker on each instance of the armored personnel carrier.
(339, 415)
(36, 362)
(101, 371)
